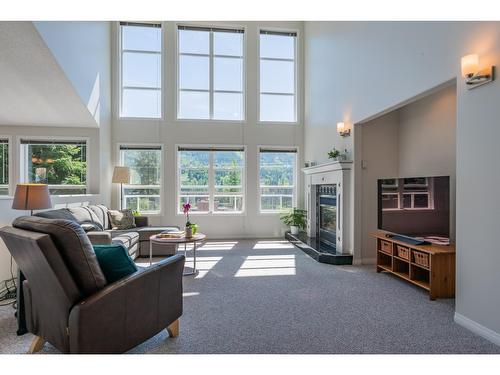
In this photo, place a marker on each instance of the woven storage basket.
(386, 247)
(421, 259)
(403, 252)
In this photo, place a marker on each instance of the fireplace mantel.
(328, 167)
(336, 174)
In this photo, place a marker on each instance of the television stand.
(406, 239)
(431, 267)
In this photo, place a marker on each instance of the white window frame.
(211, 180)
(23, 172)
(162, 167)
(120, 71)
(8, 138)
(211, 57)
(296, 75)
(295, 176)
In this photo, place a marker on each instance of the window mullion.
(211, 83)
(211, 182)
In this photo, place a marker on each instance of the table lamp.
(31, 197)
(121, 175)
(28, 197)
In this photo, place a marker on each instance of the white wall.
(356, 70)
(171, 132)
(82, 51)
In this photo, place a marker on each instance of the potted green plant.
(295, 218)
(333, 154)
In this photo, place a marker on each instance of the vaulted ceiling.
(34, 89)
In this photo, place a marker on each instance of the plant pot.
(189, 232)
(294, 230)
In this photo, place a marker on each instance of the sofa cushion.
(114, 261)
(101, 212)
(75, 249)
(84, 215)
(127, 239)
(146, 232)
(61, 213)
(123, 219)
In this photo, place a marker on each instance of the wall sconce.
(342, 130)
(474, 76)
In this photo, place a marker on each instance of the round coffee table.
(198, 238)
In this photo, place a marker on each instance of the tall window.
(278, 76)
(210, 74)
(4, 167)
(143, 194)
(140, 50)
(277, 179)
(211, 179)
(60, 164)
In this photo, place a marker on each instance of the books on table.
(172, 234)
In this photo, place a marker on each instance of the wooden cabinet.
(431, 267)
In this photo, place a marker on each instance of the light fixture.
(342, 130)
(31, 197)
(474, 76)
(121, 175)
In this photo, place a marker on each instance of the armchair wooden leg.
(173, 329)
(36, 345)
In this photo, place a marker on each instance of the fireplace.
(326, 217)
(327, 236)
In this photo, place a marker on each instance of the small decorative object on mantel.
(191, 228)
(295, 218)
(336, 155)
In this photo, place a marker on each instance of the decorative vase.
(189, 232)
(294, 229)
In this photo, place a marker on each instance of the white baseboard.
(477, 328)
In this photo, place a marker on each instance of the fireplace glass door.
(327, 216)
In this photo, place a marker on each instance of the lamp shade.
(31, 197)
(340, 127)
(121, 175)
(470, 65)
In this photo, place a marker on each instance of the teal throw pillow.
(114, 261)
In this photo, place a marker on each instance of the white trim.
(10, 166)
(211, 185)
(162, 165)
(22, 158)
(296, 77)
(295, 176)
(477, 328)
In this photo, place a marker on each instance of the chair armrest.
(99, 238)
(128, 311)
(141, 221)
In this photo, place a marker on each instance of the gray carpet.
(269, 297)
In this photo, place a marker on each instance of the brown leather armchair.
(90, 317)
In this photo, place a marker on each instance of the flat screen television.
(415, 207)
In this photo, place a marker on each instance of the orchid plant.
(185, 208)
